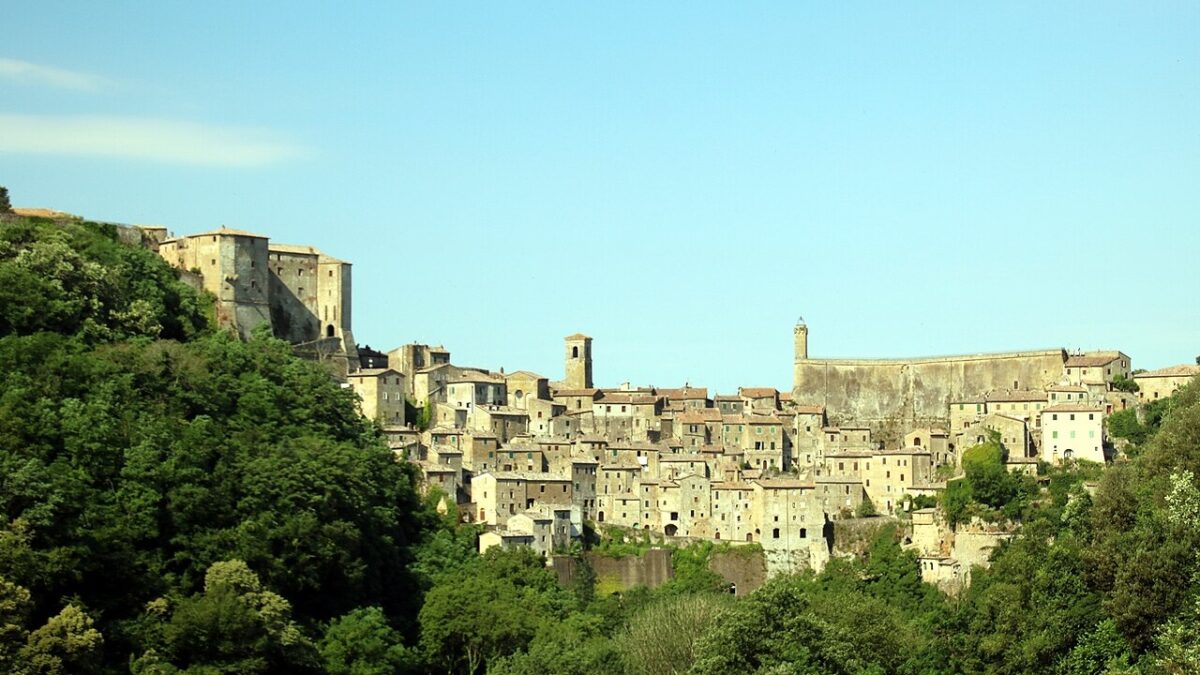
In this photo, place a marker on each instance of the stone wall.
(916, 391)
(651, 569)
(852, 537)
(744, 568)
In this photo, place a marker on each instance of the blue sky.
(680, 181)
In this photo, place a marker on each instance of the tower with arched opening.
(579, 361)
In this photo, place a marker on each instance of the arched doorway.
(670, 530)
(329, 330)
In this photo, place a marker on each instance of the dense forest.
(176, 500)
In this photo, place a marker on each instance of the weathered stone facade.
(301, 293)
(915, 391)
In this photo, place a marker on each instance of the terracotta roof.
(476, 375)
(1073, 407)
(526, 475)
(680, 458)
(910, 450)
(577, 392)
(620, 466)
(1088, 361)
(700, 415)
(553, 440)
(730, 485)
(577, 336)
(806, 409)
(524, 374)
(1067, 387)
(629, 398)
(1173, 371)
(784, 484)
(1015, 395)
(373, 372)
(684, 393)
(226, 231)
(758, 392)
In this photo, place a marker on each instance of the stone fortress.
(920, 390)
(535, 459)
(302, 294)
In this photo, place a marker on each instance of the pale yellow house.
(380, 393)
(1072, 431)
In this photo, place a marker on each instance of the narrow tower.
(579, 361)
(801, 336)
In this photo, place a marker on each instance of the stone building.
(302, 293)
(1157, 384)
(524, 387)
(233, 267)
(1073, 431)
(381, 395)
(413, 358)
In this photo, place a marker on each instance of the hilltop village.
(536, 459)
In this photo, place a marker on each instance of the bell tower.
(579, 361)
(800, 334)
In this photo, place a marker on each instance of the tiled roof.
(807, 409)
(525, 374)
(684, 393)
(1014, 395)
(783, 484)
(1090, 361)
(373, 372)
(1073, 407)
(228, 232)
(699, 416)
(577, 392)
(758, 392)
(1173, 371)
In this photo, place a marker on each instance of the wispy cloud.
(149, 139)
(32, 73)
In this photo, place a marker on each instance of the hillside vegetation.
(176, 500)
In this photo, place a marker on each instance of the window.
(775, 533)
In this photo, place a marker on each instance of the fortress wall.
(917, 390)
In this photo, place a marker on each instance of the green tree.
(662, 637)
(67, 643)
(235, 625)
(362, 643)
(866, 508)
(1125, 384)
(491, 609)
(798, 624)
(5, 205)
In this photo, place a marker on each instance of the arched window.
(329, 331)
(575, 352)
